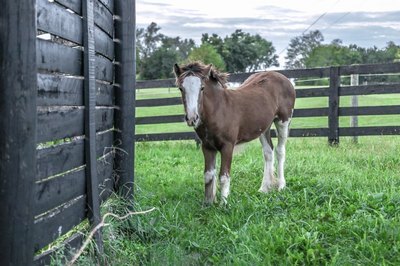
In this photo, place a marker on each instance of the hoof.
(210, 200)
(281, 186)
(264, 190)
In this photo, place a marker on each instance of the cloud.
(274, 23)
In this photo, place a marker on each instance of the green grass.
(341, 207)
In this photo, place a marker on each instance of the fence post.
(354, 103)
(125, 83)
(18, 89)
(92, 184)
(333, 121)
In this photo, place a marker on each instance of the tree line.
(244, 52)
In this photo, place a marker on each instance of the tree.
(333, 54)
(242, 51)
(157, 53)
(151, 39)
(208, 55)
(300, 48)
(159, 64)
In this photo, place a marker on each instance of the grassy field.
(341, 207)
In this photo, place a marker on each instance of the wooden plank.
(159, 83)
(311, 112)
(104, 69)
(109, 4)
(103, 18)
(68, 122)
(159, 119)
(291, 73)
(58, 159)
(315, 92)
(370, 110)
(105, 94)
(17, 130)
(54, 192)
(369, 89)
(53, 57)
(68, 247)
(309, 132)
(166, 136)
(333, 118)
(59, 124)
(297, 132)
(306, 112)
(370, 131)
(55, 19)
(125, 78)
(159, 102)
(59, 90)
(54, 224)
(58, 190)
(370, 69)
(74, 5)
(92, 183)
(104, 44)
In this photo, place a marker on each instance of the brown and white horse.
(223, 118)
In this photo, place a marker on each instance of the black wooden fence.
(333, 111)
(66, 104)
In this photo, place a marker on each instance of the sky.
(366, 23)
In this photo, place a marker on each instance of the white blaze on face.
(192, 87)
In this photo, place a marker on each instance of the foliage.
(338, 54)
(147, 40)
(300, 47)
(243, 52)
(333, 54)
(208, 55)
(158, 65)
(157, 53)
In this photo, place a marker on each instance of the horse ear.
(177, 70)
(209, 70)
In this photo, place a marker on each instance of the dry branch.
(100, 225)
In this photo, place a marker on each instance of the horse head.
(192, 80)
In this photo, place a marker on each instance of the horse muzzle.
(192, 121)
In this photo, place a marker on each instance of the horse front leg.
(224, 175)
(210, 184)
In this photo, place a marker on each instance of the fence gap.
(18, 94)
(125, 79)
(333, 121)
(92, 190)
(354, 78)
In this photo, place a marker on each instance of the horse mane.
(200, 70)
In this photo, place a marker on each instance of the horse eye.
(180, 89)
(202, 87)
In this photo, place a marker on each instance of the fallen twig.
(100, 225)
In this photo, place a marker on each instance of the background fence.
(57, 142)
(335, 77)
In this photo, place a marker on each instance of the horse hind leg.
(282, 129)
(268, 152)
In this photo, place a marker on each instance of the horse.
(223, 118)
